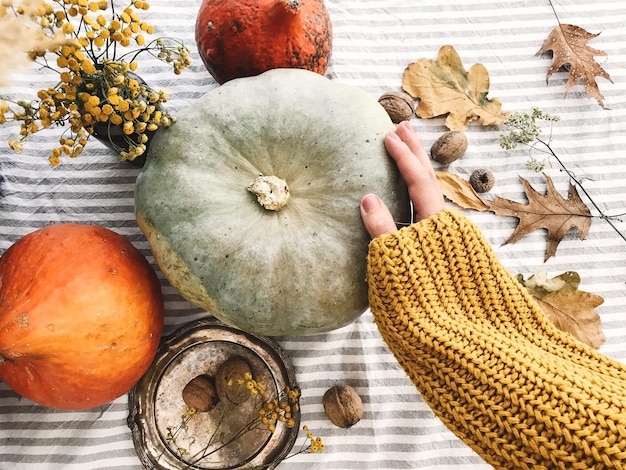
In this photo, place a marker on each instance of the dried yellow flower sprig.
(97, 88)
(274, 410)
(270, 411)
(281, 409)
(20, 34)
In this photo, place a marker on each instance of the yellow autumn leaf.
(570, 309)
(460, 191)
(445, 87)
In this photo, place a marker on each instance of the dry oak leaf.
(568, 45)
(569, 309)
(445, 87)
(460, 192)
(550, 211)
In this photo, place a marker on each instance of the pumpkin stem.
(271, 191)
(291, 5)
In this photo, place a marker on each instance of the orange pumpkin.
(81, 316)
(241, 38)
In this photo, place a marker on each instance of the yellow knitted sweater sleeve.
(518, 391)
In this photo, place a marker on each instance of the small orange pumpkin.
(81, 316)
(242, 38)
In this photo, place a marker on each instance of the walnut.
(449, 147)
(343, 406)
(200, 394)
(231, 380)
(398, 104)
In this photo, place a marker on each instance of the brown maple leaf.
(550, 211)
(445, 87)
(571, 310)
(568, 45)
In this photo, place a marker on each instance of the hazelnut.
(343, 406)
(200, 394)
(482, 180)
(398, 104)
(449, 147)
(231, 380)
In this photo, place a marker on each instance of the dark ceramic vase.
(113, 136)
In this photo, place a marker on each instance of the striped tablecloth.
(374, 40)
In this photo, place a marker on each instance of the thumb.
(376, 217)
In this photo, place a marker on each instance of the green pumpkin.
(297, 269)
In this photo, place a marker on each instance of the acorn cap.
(482, 180)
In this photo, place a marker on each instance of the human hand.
(408, 152)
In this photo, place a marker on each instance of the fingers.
(376, 217)
(408, 152)
(415, 145)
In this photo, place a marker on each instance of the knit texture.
(520, 392)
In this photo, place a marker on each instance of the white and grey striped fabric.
(374, 40)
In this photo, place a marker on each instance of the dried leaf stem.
(524, 129)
